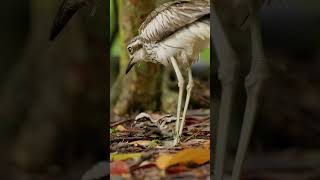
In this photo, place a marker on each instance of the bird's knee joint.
(229, 74)
(181, 83)
(190, 85)
(254, 78)
(229, 80)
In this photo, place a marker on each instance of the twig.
(135, 138)
(120, 122)
(192, 135)
(143, 158)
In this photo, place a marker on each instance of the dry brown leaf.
(194, 143)
(177, 169)
(119, 168)
(121, 128)
(143, 143)
(195, 155)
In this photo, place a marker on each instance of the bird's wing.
(66, 10)
(172, 16)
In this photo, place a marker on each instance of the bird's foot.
(176, 140)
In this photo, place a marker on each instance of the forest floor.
(141, 150)
(140, 147)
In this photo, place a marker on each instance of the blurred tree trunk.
(141, 88)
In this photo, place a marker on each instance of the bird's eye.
(130, 50)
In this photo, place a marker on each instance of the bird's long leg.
(186, 104)
(229, 73)
(254, 81)
(181, 89)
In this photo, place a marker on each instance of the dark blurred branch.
(116, 27)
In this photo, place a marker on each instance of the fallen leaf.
(164, 161)
(115, 156)
(195, 155)
(119, 168)
(143, 143)
(146, 164)
(154, 143)
(206, 145)
(146, 143)
(112, 130)
(121, 128)
(194, 143)
(177, 169)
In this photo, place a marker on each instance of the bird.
(65, 12)
(224, 13)
(174, 34)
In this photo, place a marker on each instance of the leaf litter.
(140, 146)
(191, 155)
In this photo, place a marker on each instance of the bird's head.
(136, 52)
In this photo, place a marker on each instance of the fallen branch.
(120, 122)
(135, 138)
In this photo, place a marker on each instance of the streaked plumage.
(185, 45)
(178, 28)
(170, 17)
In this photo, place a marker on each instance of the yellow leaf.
(121, 128)
(195, 155)
(115, 156)
(163, 161)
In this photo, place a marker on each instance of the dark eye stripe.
(134, 47)
(139, 46)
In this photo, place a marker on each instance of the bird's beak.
(67, 9)
(130, 65)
